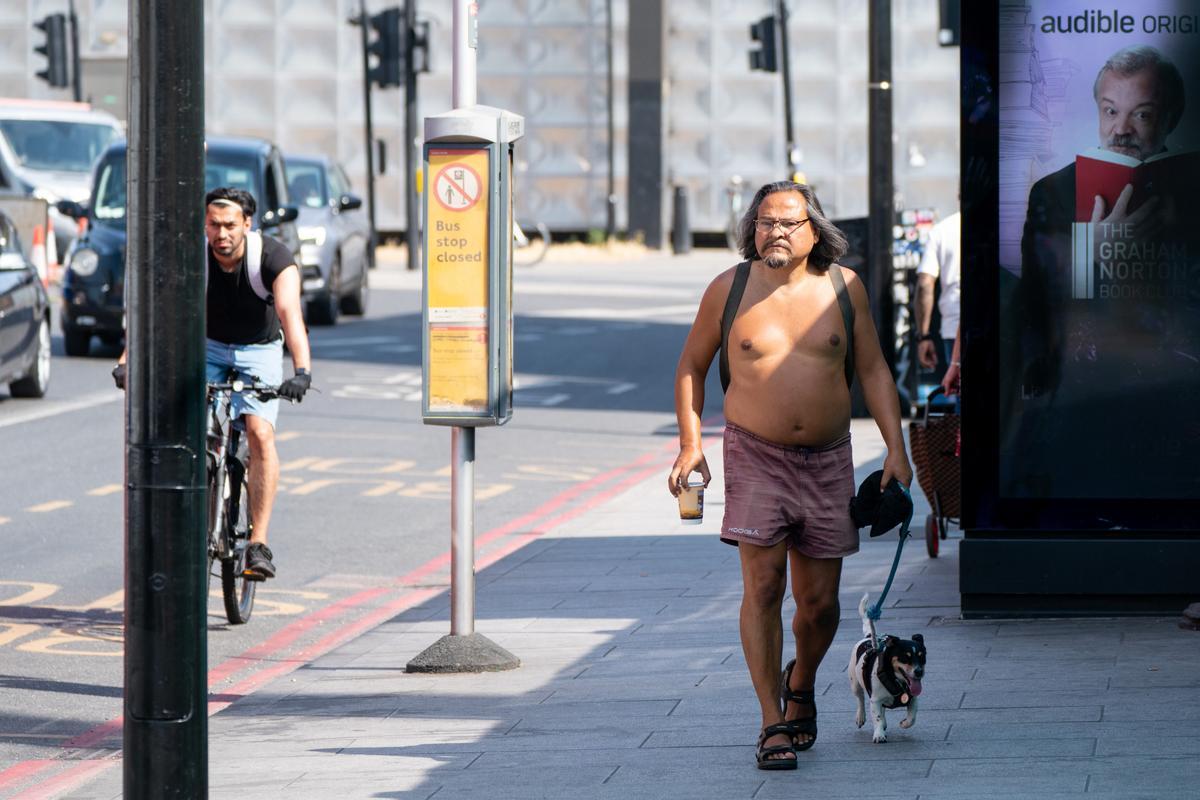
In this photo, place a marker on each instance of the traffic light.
(55, 49)
(386, 48)
(763, 32)
(420, 47)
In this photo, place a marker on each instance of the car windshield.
(306, 184)
(108, 203)
(61, 146)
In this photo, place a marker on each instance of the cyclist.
(246, 333)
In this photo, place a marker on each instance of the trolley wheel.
(931, 535)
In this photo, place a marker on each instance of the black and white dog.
(888, 673)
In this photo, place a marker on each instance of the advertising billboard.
(1098, 331)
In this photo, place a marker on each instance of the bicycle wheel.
(237, 590)
(530, 246)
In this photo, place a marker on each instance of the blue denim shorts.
(263, 362)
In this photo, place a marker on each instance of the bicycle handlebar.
(265, 391)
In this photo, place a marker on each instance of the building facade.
(291, 71)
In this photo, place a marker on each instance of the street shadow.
(25, 684)
(561, 363)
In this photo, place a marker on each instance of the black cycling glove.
(118, 374)
(294, 387)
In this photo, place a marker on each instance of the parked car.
(24, 319)
(47, 149)
(93, 291)
(336, 241)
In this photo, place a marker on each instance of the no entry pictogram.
(457, 187)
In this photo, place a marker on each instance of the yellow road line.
(111, 488)
(4, 520)
(53, 505)
(287, 436)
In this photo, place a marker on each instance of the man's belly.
(797, 403)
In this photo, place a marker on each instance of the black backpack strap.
(843, 298)
(731, 306)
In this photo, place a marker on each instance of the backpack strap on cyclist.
(732, 302)
(843, 298)
(254, 253)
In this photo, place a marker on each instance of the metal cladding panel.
(291, 70)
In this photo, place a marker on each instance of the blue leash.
(875, 611)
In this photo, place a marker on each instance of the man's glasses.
(786, 226)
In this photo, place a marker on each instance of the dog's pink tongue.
(914, 687)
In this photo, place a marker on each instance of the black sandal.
(799, 725)
(764, 754)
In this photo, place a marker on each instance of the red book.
(1105, 173)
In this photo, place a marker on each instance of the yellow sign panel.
(457, 279)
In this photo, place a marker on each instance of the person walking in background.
(789, 473)
(939, 264)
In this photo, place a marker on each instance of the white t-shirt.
(941, 261)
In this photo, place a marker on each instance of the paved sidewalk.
(632, 685)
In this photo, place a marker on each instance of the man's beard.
(776, 260)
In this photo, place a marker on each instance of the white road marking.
(53, 505)
(622, 388)
(354, 340)
(600, 290)
(650, 314)
(55, 407)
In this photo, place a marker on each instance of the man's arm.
(879, 390)
(288, 306)
(926, 352)
(950, 380)
(702, 344)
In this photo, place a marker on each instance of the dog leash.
(875, 611)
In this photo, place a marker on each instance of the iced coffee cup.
(691, 504)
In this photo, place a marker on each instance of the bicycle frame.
(227, 468)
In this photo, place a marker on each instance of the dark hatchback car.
(24, 319)
(93, 291)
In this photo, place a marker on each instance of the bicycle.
(229, 524)
(736, 200)
(528, 250)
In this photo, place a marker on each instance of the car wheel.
(323, 309)
(356, 302)
(76, 342)
(37, 380)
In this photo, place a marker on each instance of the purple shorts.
(777, 492)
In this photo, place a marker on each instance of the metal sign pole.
(462, 531)
(460, 234)
(462, 439)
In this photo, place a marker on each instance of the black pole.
(76, 78)
(363, 23)
(788, 133)
(165, 712)
(610, 226)
(411, 202)
(880, 199)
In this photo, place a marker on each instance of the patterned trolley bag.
(934, 439)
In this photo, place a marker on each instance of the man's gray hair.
(1136, 58)
(831, 242)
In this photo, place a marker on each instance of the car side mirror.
(71, 208)
(349, 202)
(273, 219)
(11, 261)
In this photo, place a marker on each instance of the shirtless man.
(789, 475)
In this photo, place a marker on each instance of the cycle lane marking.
(271, 652)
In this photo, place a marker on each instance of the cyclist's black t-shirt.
(236, 315)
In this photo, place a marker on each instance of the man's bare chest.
(773, 327)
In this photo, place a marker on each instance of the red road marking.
(66, 780)
(84, 770)
(22, 772)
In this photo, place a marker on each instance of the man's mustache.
(1124, 140)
